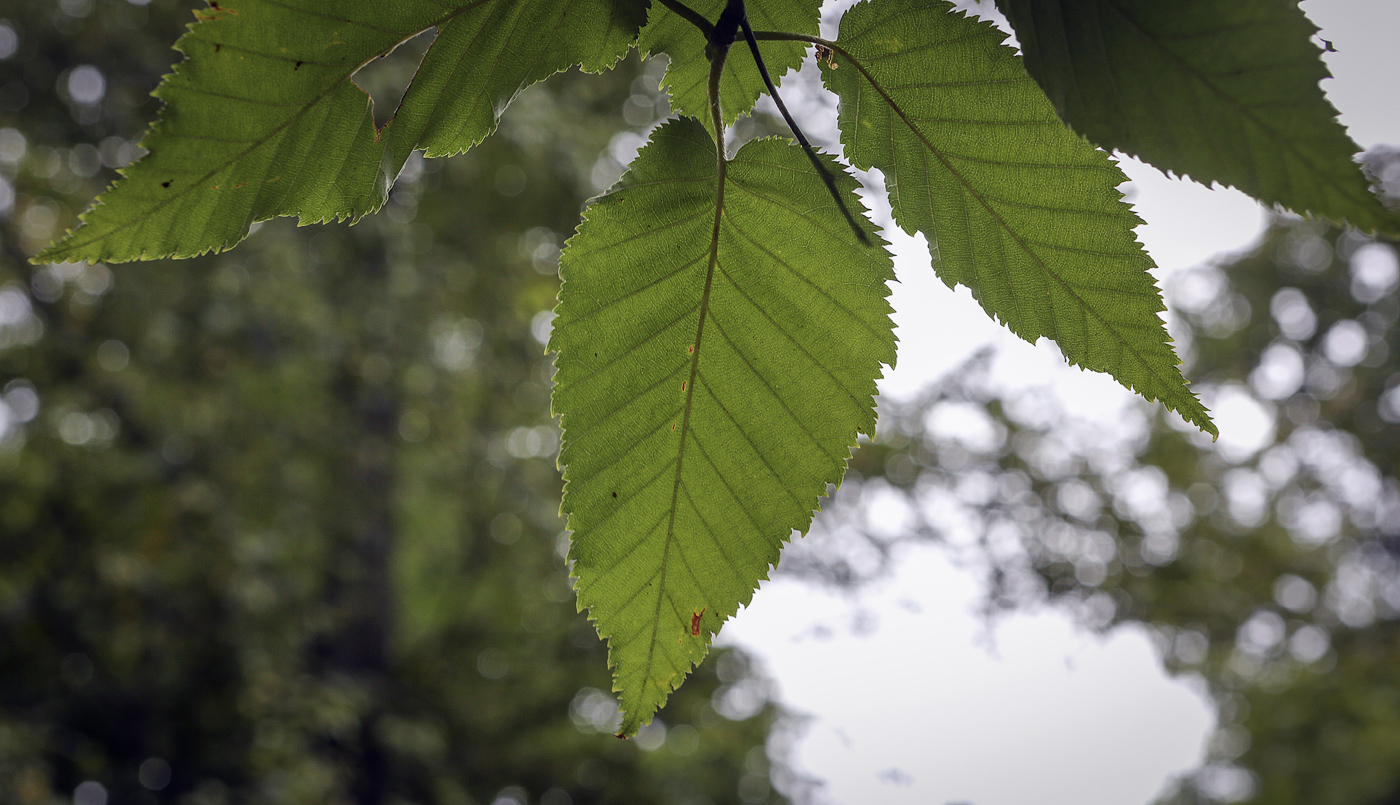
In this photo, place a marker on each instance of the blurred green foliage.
(281, 526)
(1267, 564)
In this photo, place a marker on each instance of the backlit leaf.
(1219, 90)
(687, 75)
(1018, 208)
(712, 376)
(484, 58)
(263, 119)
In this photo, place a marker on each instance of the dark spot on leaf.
(614, 494)
(695, 622)
(165, 184)
(299, 64)
(621, 735)
(684, 385)
(218, 46)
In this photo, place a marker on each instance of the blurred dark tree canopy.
(281, 525)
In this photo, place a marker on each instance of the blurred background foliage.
(281, 525)
(1266, 565)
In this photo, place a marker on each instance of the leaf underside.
(1020, 210)
(1219, 90)
(718, 339)
(706, 403)
(263, 118)
(687, 75)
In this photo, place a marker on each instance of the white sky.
(924, 709)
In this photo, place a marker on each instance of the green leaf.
(263, 118)
(484, 58)
(1018, 208)
(1219, 90)
(688, 74)
(713, 372)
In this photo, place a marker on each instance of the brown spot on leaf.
(214, 12)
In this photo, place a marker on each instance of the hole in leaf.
(386, 78)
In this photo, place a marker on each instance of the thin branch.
(717, 52)
(726, 30)
(691, 16)
(797, 132)
(784, 36)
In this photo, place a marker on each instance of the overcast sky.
(929, 707)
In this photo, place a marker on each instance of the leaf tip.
(630, 725)
(1197, 415)
(1208, 426)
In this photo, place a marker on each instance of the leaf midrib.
(688, 407)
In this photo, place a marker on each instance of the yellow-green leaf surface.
(713, 372)
(1219, 90)
(687, 75)
(263, 117)
(1017, 207)
(483, 59)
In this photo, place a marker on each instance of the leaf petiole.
(690, 15)
(718, 38)
(827, 178)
